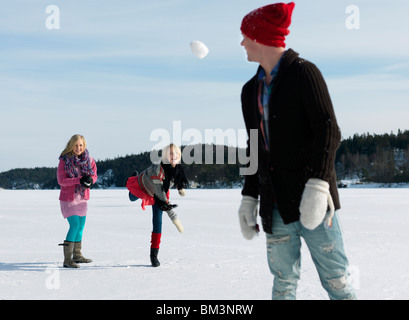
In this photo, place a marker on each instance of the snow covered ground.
(210, 260)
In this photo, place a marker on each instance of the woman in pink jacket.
(76, 173)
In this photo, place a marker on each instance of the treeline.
(212, 171)
(37, 178)
(381, 158)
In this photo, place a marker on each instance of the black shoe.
(154, 257)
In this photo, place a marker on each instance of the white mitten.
(182, 192)
(178, 225)
(314, 203)
(248, 217)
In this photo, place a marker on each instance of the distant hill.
(368, 157)
(113, 172)
(380, 158)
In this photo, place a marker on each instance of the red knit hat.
(268, 25)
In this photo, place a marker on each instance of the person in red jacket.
(152, 187)
(76, 173)
(288, 102)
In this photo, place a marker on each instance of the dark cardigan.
(304, 136)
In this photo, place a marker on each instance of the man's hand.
(248, 217)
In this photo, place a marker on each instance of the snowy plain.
(209, 261)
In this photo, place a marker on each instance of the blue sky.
(116, 71)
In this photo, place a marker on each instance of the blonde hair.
(71, 144)
(166, 152)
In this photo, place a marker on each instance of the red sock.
(155, 240)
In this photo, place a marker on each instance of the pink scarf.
(80, 163)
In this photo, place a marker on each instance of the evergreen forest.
(380, 158)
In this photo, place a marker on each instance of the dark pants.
(156, 216)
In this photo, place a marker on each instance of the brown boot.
(78, 257)
(68, 250)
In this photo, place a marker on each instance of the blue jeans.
(327, 251)
(156, 215)
(156, 219)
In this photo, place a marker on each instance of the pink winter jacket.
(68, 184)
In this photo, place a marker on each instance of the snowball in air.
(199, 49)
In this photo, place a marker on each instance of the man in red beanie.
(288, 102)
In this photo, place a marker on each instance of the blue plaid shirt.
(265, 95)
